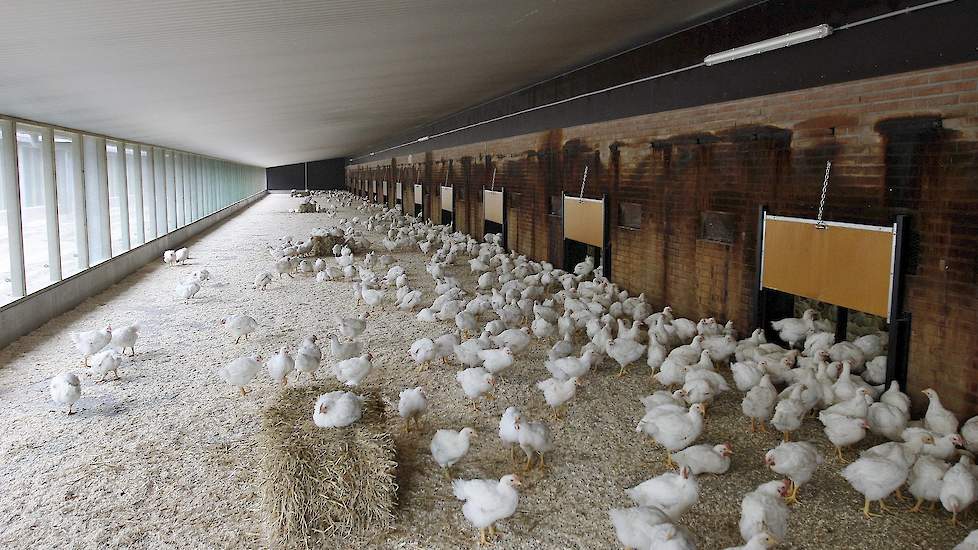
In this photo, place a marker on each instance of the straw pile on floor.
(321, 485)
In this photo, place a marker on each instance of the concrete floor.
(165, 457)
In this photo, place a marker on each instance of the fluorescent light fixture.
(425, 138)
(782, 41)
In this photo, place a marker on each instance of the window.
(149, 193)
(118, 199)
(11, 279)
(71, 203)
(720, 227)
(96, 200)
(630, 215)
(134, 187)
(171, 191)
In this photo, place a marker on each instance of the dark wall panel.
(320, 174)
(290, 176)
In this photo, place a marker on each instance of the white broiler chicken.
(66, 390)
(124, 338)
(969, 432)
(705, 459)
(758, 404)
(673, 429)
(487, 501)
(496, 360)
(476, 382)
(241, 372)
(625, 352)
(412, 405)
(352, 371)
(422, 352)
(341, 351)
(969, 543)
(925, 481)
(760, 541)
(789, 412)
(280, 365)
(959, 488)
(353, 327)
(671, 492)
(633, 525)
(534, 439)
(843, 431)
(937, 418)
(795, 460)
(337, 409)
(875, 478)
(240, 325)
(507, 429)
(182, 255)
(569, 367)
(262, 280)
(794, 330)
(90, 342)
(763, 510)
(106, 361)
(449, 446)
(515, 339)
(558, 392)
(169, 258)
(886, 420)
(187, 291)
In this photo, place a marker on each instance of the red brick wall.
(889, 157)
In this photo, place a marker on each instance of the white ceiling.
(275, 82)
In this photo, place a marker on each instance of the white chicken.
(476, 382)
(353, 327)
(673, 429)
(106, 361)
(352, 371)
(758, 404)
(633, 525)
(496, 360)
(90, 342)
(937, 418)
(280, 365)
(241, 372)
(412, 405)
(795, 460)
(240, 325)
(487, 501)
(569, 367)
(422, 352)
(843, 431)
(337, 409)
(705, 459)
(262, 280)
(789, 412)
(534, 439)
(959, 488)
(169, 258)
(181, 255)
(558, 392)
(449, 446)
(671, 492)
(66, 390)
(125, 338)
(187, 291)
(875, 478)
(760, 541)
(516, 340)
(794, 330)
(763, 510)
(925, 481)
(625, 352)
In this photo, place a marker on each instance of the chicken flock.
(592, 323)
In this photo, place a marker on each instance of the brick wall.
(903, 144)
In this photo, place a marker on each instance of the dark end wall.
(319, 174)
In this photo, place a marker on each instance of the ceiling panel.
(275, 82)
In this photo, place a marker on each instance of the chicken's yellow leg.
(787, 436)
(482, 536)
(866, 513)
(898, 494)
(753, 425)
(916, 507)
(763, 427)
(621, 372)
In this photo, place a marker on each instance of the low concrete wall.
(21, 317)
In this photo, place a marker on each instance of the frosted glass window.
(149, 193)
(118, 203)
(96, 200)
(71, 203)
(6, 217)
(134, 186)
(171, 192)
(159, 171)
(179, 189)
(32, 209)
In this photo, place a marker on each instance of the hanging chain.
(583, 182)
(825, 189)
(493, 180)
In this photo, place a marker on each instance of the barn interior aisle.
(167, 455)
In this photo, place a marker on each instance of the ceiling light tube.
(782, 41)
